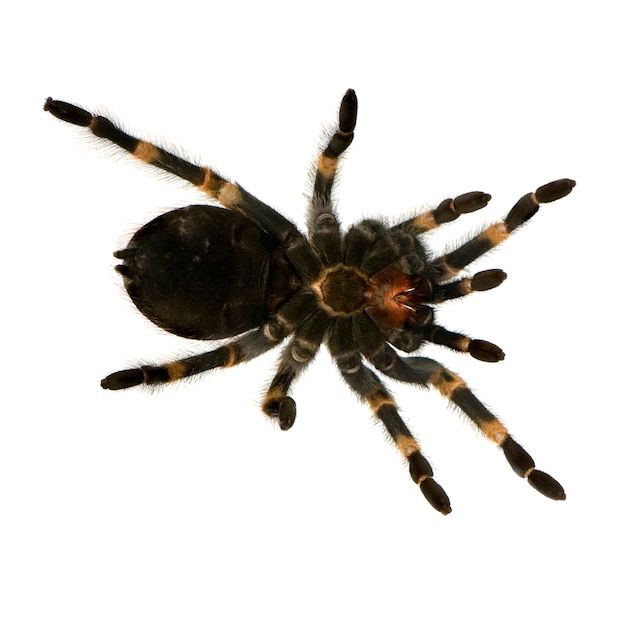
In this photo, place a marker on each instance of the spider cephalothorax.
(242, 269)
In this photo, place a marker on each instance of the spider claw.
(555, 190)
(283, 409)
(488, 279)
(470, 202)
(546, 485)
(68, 112)
(436, 496)
(485, 351)
(287, 413)
(348, 112)
(123, 379)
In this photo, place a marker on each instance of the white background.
(187, 506)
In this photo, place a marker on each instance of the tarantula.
(242, 270)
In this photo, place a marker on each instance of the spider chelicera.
(243, 270)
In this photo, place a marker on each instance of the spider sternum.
(343, 290)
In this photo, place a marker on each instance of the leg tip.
(436, 496)
(546, 485)
(485, 351)
(283, 409)
(67, 112)
(555, 190)
(123, 380)
(348, 112)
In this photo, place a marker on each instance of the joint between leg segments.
(446, 382)
(147, 152)
(327, 165)
(230, 195)
(407, 445)
(212, 183)
(176, 370)
(495, 431)
(496, 233)
(378, 398)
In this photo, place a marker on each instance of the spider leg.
(447, 211)
(451, 263)
(324, 233)
(368, 386)
(229, 194)
(359, 239)
(371, 247)
(478, 348)
(410, 339)
(245, 348)
(423, 371)
(393, 246)
(482, 281)
(294, 360)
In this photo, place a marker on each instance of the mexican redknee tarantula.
(243, 270)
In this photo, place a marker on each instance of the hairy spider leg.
(244, 348)
(373, 248)
(448, 265)
(478, 348)
(411, 339)
(229, 194)
(447, 211)
(481, 281)
(359, 239)
(323, 224)
(368, 387)
(423, 371)
(393, 246)
(294, 360)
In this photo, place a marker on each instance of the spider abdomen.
(203, 272)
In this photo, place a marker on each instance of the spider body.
(201, 272)
(243, 271)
